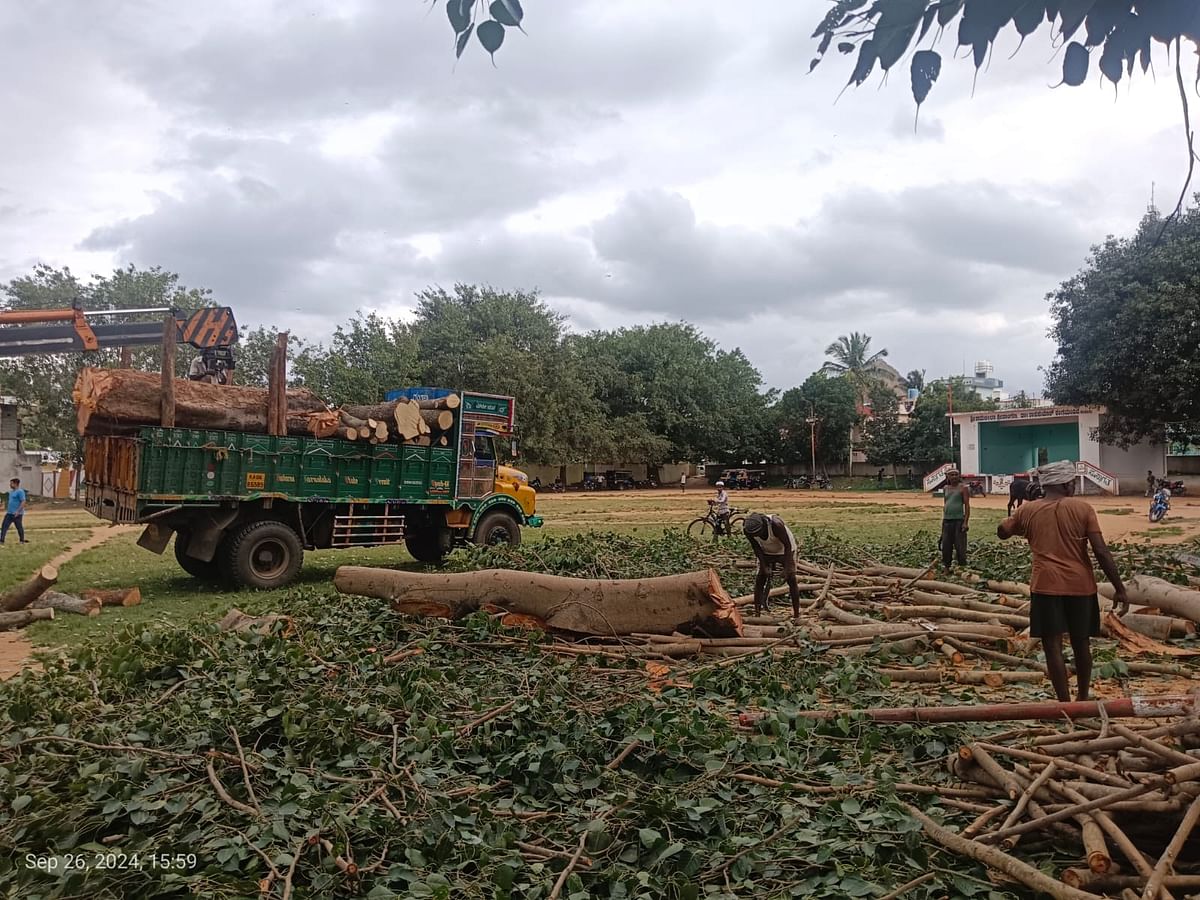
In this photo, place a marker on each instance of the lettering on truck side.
(286, 479)
(317, 479)
(256, 481)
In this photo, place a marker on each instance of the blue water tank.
(418, 393)
(913, 394)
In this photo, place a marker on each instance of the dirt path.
(15, 649)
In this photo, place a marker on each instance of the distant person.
(1063, 598)
(775, 548)
(911, 483)
(720, 508)
(15, 514)
(683, 483)
(956, 518)
(879, 477)
(1151, 483)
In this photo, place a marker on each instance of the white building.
(1005, 442)
(984, 383)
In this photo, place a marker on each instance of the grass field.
(170, 596)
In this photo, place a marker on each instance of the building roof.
(1016, 414)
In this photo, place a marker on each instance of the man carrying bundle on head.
(1059, 529)
(775, 547)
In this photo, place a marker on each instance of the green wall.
(1005, 450)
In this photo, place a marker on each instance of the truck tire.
(427, 545)
(498, 527)
(197, 568)
(261, 555)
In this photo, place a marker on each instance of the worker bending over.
(775, 547)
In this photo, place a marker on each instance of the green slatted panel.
(413, 474)
(317, 471)
(442, 463)
(385, 472)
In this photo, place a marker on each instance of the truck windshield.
(485, 449)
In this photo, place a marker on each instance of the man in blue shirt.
(16, 510)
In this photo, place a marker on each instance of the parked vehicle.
(798, 481)
(244, 507)
(822, 482)
(618, 479)
(1160, 504)
(1177, 488)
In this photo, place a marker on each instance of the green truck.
(244, 507)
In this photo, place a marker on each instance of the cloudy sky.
(633, 161)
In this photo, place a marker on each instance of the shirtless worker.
(775, 547)
(1059, 529)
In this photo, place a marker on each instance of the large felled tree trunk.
(27, 591)
(1145, 590)
(692, 603)
(67, 603)
(113, 398)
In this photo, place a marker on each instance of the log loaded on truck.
(244, 505)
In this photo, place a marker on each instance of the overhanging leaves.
(926, 66)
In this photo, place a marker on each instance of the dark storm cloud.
(926, 250)
(305, 160)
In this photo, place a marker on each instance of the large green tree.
(511, 342)
(43, 382)
(707, 403)
(832, 401)
(927, 440)
(1128, 332)
(885, 441)
(367, 357)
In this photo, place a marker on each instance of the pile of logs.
(32, 600)
(120, 401)
(923, 631)
(420, 422)
(1128, 799)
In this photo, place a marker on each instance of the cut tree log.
(108, 399)
(1146, 590)
(438, 420)
(67, 603)
(21, 618)
(26, 592)
(115, 597)
(450, 401)
(691, 603)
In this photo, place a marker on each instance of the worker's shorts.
(1058, 614)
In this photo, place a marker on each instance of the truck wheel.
(262, 555)
(197, 568)
(498, 528)
(426, 546)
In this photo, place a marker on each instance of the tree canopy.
(832, 401)
(1134, 309)
(1119, 32)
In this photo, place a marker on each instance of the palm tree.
(853, 358)
(914, 380)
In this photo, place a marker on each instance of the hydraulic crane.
(212, 331)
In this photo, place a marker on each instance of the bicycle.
(711, 523)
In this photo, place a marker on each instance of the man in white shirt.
(775, 547)
(720, 509)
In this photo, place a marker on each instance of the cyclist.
(720, 509)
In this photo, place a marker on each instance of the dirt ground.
(15, 649)
(1121, 518)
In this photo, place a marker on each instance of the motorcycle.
(801, 481)
(823, 483)
(1160, 504)
(1176, 488)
